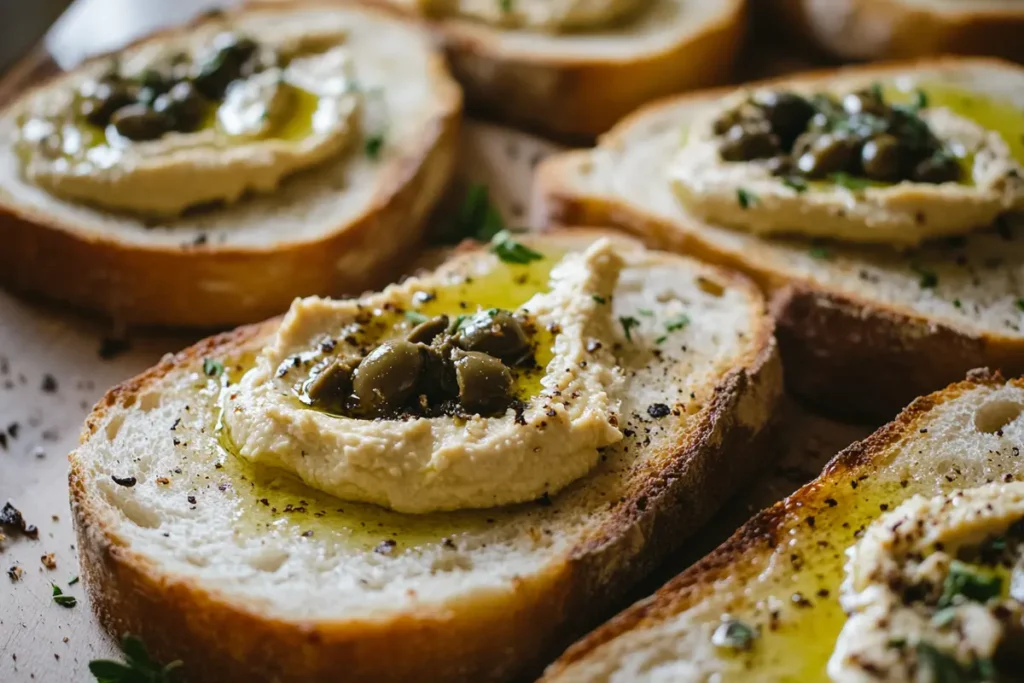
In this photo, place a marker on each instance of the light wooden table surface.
(55, 363)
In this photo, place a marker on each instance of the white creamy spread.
(423, 464)
(934, 588)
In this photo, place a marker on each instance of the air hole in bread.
(114, 426)
(710, 287)
(268, 559)
(149, 401)
(995, 415)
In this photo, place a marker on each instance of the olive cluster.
(440, 367)
(174, 98)
(858, 135)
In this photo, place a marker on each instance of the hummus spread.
(854, 165)
(190, 123)
(934, 589)
(424, 455)
(542, 15)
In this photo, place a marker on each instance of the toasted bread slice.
(782, 570)
(337, 228)
(863, 330)
(888, 29)
(246, 575)
(578, 84)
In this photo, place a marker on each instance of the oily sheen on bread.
(789, 558)
(246, 575)
(338, 228)
(862, 330)
(578, 84)
(889, 29)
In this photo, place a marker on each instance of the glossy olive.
(102, 100)
(938, 168)
(744, 142)
(428, 330)
(882, 158)
(485, 384)
(788, 114)
(864, 101)
(779, 165)
(495, 332)
(333, 384)
(386, 377)
(828, 154)
(225, 65)
(138, 122)
(183, 104)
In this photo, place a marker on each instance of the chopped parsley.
(212, 367)
(965, 580)
(628, 322)
(68, 601)
(848, 181)
(646, 312)
(920, 100)
(734, 635)
(1020, 304)
(929, 280)
(505, 5)
(662, 339)
(456, 324)
(599, 299)
(73, 581)
(415, 317)
(819, 252)
(677, 323)
(798, 185)
(374, 143)
(477, 216)
(746, 198)
(510, 251)
(957, 303)
(944, 668)
(137, 667)
(876, 91)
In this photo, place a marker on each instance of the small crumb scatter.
(49, 561)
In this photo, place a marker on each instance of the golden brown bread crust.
(497, 640)
(890, 29)
(745, 552)
(161, 285)
(828, 339)
(575, 98)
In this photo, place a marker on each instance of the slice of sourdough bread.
(246, 575)
(780, 573)
(578, 84)
(863, 330)
(887, 29)
(341, 227)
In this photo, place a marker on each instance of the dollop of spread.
(540, 15)
(193, 123)
(934, 589)
(489, 382)
(856, 165)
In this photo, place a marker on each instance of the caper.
(747, 141)
(828, 154)
(495, 332)
(102, 100)
(485, 383)
(332, 384)
(139, 122)
(387, 376)
(938, 168)
(224, 65)
(183, 104)
(881, 158)
(787, 113)
(428, 330)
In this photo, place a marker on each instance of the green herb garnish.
(374, 143)
(510, 251)
(796, 184)
(61, 599)
(929, 280)
(944, 668)
(920, 100)
(746, 198)
(73, 581)
(677, 323)
(599, 299)
(966, 581)
(137, 667)
(646, 312)
(734, 635)
(662, 339)
(628, 322)
(819, 252)
(477, 218)
(415, 317)
(848, 181)
(212, 367)
(875, 89)
(1020, 304)
(506, 5)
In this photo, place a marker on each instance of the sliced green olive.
(333, 384)
(788, 114)
(828, 154)
(881, 158)
(485, 384)
(183, 104)
(428, 330)
(495, 332)
(138, 122)
(386, 377)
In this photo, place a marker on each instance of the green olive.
(100, 101)
(495, 332)
(225, 65)
(332, 384)
(387, 376)
(938, 168)
(788, 114)
(882, 158)
(138, 122)
(748, 141)
(864, 101)
(485, 384)
(428, 330)
(828, 154)
(183, 104)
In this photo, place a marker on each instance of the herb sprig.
(138, 667)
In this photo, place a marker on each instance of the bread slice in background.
(578, 84)
(190, 558)
(860, 332)
(891, 29)
(340, 227)
(963, 436)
